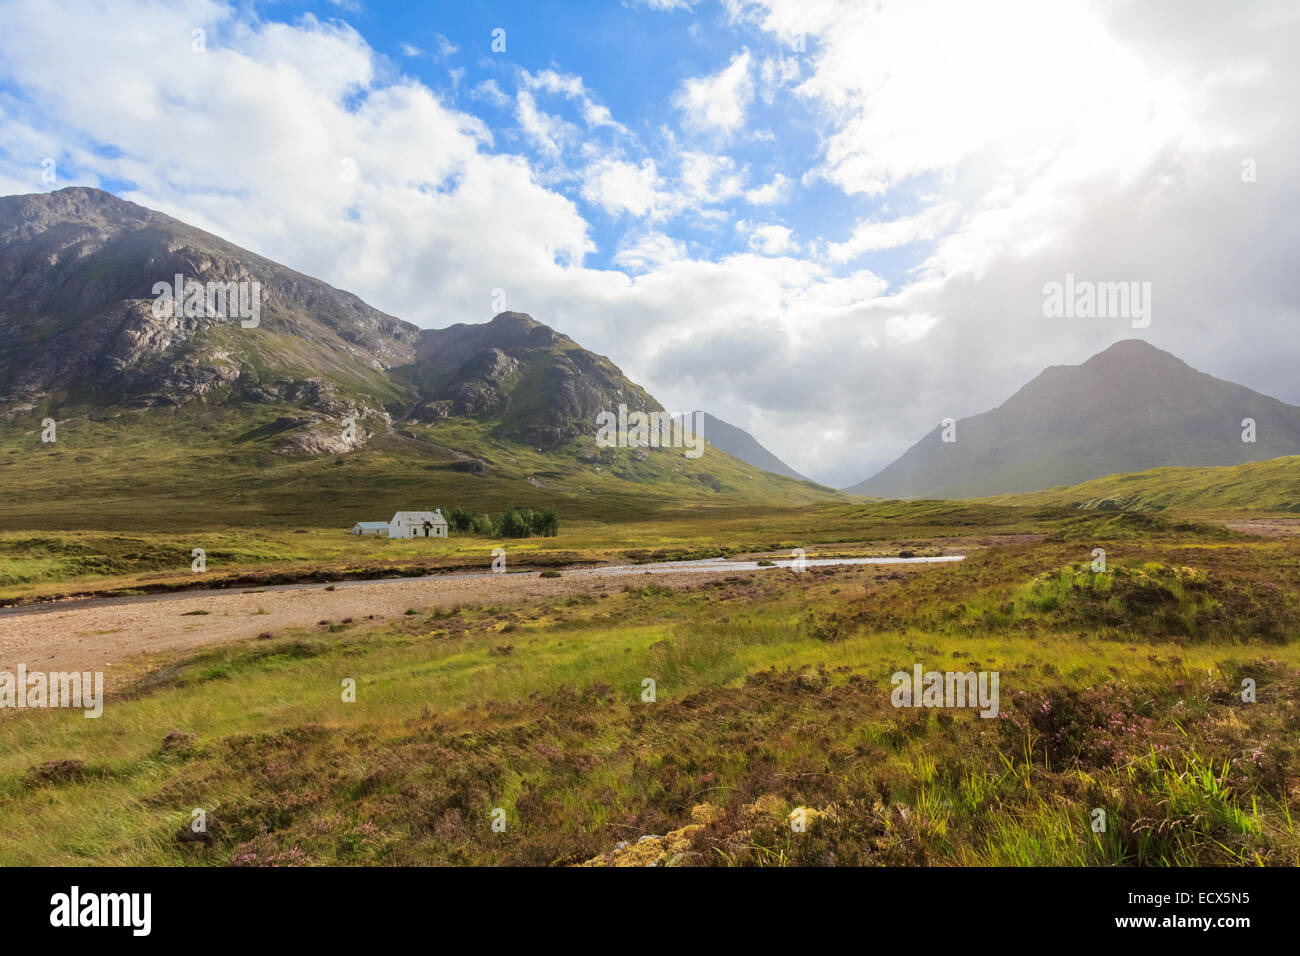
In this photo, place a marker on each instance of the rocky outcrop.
(319, 440)
(537, 385)
(682, 847)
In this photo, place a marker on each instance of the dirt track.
(121, 636)
(100, 634)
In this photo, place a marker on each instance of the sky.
(828, 222)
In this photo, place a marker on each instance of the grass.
(771, 692)
(206, 469)
(1271, 486)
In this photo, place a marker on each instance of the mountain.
(77, 271)
(318, 408)
(1130, 408)
(79, 267)
(741, 444)
(539, 385)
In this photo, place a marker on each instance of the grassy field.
(1120, 692)
(119, 501)
(41, 564)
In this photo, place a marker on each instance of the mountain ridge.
(321, 377)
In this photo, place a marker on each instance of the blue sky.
(833, 246)
(631, 59)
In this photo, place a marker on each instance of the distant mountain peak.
(1129, 408)
(741, 444)
(1133, 350)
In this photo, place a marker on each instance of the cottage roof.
(420, 517)
(371, 525)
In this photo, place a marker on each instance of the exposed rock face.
(479, 388)
(194, 377)
(538, 384)
(77, 272)
(315, 441)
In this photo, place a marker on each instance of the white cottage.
(418, 524)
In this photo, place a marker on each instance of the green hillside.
(197, 467)
(1259, 486)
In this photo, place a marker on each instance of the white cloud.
(554, 82)
(549, 133)
(770, 240)
(907, 328)
(769, 194)
(717, 103)
(249, 141)
(597, 115)
(649, 252)
(873, 235)
(571, 86)
(1008, 78)
(445, 47)
(777, 73)
(707, 178)
(489, 90)
(620, 187)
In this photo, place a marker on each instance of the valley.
(706, 649)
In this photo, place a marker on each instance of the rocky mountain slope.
(83, 341)
(78, 268)
(541, 386)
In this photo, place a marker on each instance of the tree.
(516, 523)
(546, 523)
